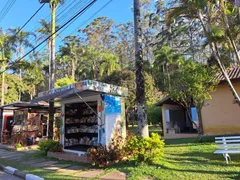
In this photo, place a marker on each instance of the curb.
(18, 173)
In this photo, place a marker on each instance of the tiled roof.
(233, 73)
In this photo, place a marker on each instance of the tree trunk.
(199, 112)
(73, 68)
(52, 69)
(3, 77)
(217, 58)
(20, 72)
(225, 20)
(3, 83)
(140, 90)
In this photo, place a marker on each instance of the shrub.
(154, 115)
(18, 145)
(140, 149)
(99, 156)
(146, 149)
(114, 152)
(50, 145)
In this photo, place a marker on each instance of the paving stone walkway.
(61, 168)
(92, 173)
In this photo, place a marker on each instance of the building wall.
(221, 115)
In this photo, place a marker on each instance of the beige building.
(220, 115)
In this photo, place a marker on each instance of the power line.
(93, 15)
(30, 18)
(47, 18)
(99, 10)
(6, 9)
(62, 9)
(71, 10)
(3, 9)
(65, 24)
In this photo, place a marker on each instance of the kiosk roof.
(88, 87)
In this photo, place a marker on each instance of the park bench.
(227, 145)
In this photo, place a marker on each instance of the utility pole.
(140, 88)
(53, 5)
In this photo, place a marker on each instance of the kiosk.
(91, 112)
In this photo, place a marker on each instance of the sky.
(22, 10)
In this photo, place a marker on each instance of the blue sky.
(118, 10)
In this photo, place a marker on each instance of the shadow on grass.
(206, 158)
(194, 140)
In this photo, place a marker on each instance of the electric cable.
(7, 10)
(76, 30)
(65, 24)
(30, 18)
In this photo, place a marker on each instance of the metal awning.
(25, 105)
(83, 88)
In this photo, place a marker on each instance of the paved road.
(5, 176)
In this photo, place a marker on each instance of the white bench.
(227, 145)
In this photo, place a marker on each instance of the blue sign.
(112, 104)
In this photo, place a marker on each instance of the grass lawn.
(184, 159)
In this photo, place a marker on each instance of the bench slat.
(228, 141)
(229, 137)
(228, 145)
(227, 151)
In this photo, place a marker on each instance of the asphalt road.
(5, 176)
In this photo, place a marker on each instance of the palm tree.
(71, 50)
(53, 5)
(205, 12)
(33, 78)
(52, 56)
(109, 64)
(19, 41)
(140, 91)
(5, 55)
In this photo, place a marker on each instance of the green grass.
(187, 159)
(184, 159)
(51, 175)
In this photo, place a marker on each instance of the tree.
(124, 46)
(205, 12)
(191, 86)
(127, 78)
(19, 41)
(64, 82)
(98, 34)
(5, 56)
(140, 89)
(52, 70)
(109, 64)
(70, 49)
(53, 6)
(13, 85)
(33, 79)
(166, 60)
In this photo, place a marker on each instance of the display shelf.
(79, 117)
(82, 134)
(86, 145)
(79, 147)
(77, 124)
